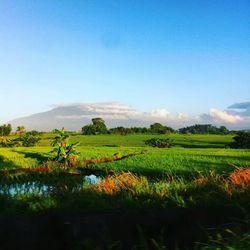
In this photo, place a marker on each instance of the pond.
(40, 188)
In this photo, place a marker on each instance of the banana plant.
(65, 152)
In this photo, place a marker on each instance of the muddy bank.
(47, 168)
(178, 227)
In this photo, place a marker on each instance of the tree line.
(98, 126)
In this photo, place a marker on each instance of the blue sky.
(183, 56)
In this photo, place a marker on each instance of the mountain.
(75, 116)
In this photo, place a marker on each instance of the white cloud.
(223, 116)
(182, 116)
(116, 111)
(160, 113)
(113, 110)
(75, 115)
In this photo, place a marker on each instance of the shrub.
(159, 142)
(241, 140)
(26, 140)
(4, 142)
(29, 140)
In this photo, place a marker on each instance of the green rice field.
(192, 177)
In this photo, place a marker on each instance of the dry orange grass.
(240, 177)
(212, 177)
(201, 180)
(121, 182)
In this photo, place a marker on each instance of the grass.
(153, 162)
(119, 191)
(198, 173)
(195, 141)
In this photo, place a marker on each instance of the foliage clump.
(97, 127)
(120, 131)
(155, 128)
(30, 139)
(65, 152)
(159, 142)
(158, 128)
(27, 139)
(241, 140)
(5, 130)
(204, 129)
(21, 130)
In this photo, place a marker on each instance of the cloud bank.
(222, 116)
(119, 111)
(74, 116)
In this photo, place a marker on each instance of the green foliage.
(4, 142)
(88, 130)
(230, 241)
(158, 128)
(98, 127)
(241, 140)
(29, 139)
(34, 133)
(120, 131)
(172, 179)
(159, 142)
(65, 152)
(204, 129)
(5, 129)
(155, 128)
(139, 130)
(20, 130)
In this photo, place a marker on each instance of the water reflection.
(92, 179)
(39, 188)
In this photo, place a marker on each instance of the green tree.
(88, 130)
(5, 130)
(20, 130)
(158, 128)
(120, 131)
(204, 129)
(224, 130)
(97, 127)
(241, 140)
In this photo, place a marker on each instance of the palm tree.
(20, 130)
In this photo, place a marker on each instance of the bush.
(241, 140)
(4, 142)
(29, 140)
(159, 143)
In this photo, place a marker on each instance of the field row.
(150, 161)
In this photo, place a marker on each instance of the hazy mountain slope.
(73, 117)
